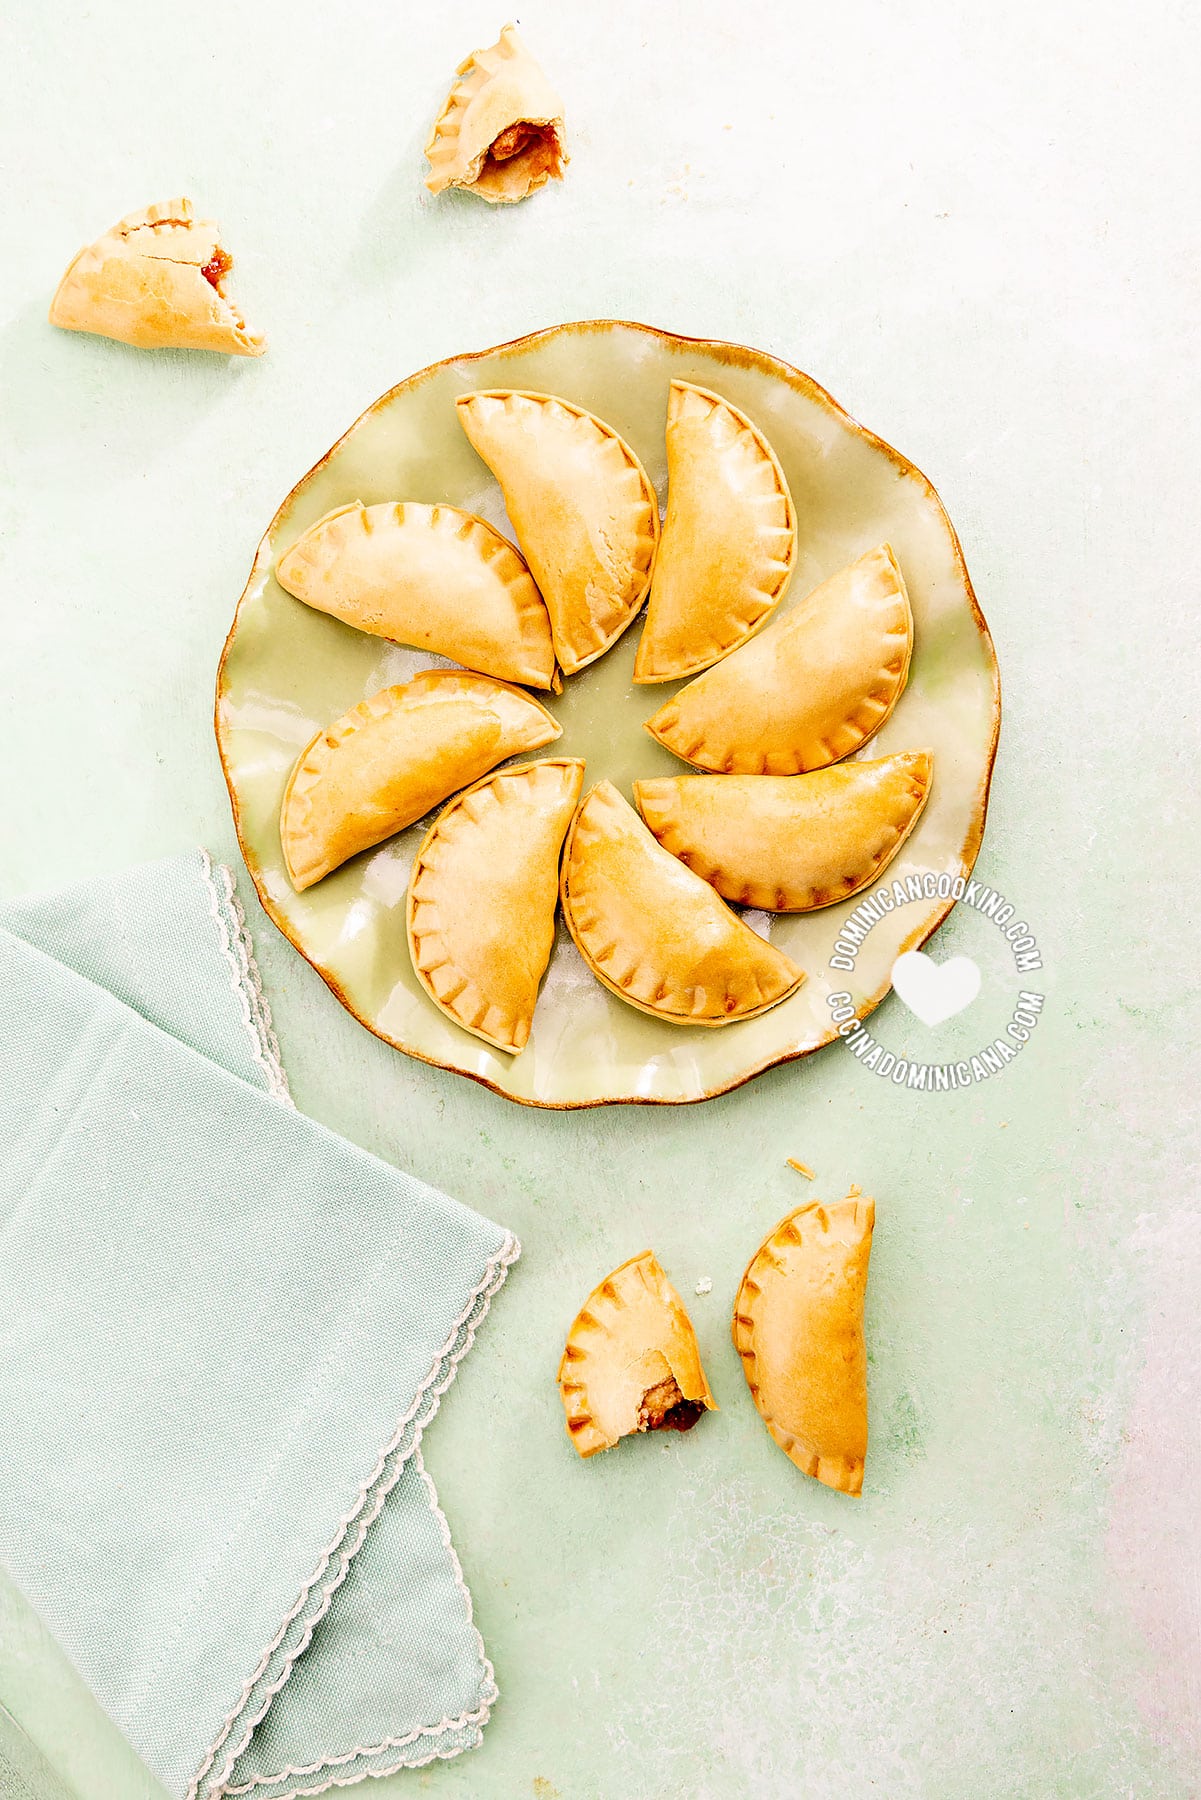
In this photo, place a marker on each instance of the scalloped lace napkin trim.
(155, 1151)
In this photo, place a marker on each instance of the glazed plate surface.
(286, 671)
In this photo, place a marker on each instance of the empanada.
(790, 843)
(808, 689)
(582, 507)
(798, 1327)
(631, 1362)
(482, 896)
(654, 932)
(729, 538)
(500, 134)
(155, 281)
(431, 576)
(393, 757)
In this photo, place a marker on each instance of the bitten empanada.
(729, 538)
(500, 134)
(482, 897)
(798, 1327)
(430, 576)
(631, 1361)
(790, 843)
(156, 280)
(809, 689)
(393, 757)
(655, 933)
(582, 507)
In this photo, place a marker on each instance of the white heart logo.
(935, 991)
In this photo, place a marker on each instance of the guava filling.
(664, 1408)
(217, 268)
(537, 147)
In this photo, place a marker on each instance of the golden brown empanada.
(790, 843)
(729, 538)
(582, 507)
(798, 1327)
(393, 757)
(807, 690)
(155, 281)
(482, 896)
(654, 932)
(631, 1362)
(431, 576)
(500, 134)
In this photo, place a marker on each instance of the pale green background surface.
(970, 225)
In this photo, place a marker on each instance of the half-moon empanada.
(729, 538)
(654, 932)
(790, 843)
(809, 689)
(391, 758)
(482, 896)
(500, 133)
(431, 576)
(631, 1361)
(798, 1327)
(155, 281)
(582, 507)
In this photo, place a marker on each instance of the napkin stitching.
(234, 942)
(477, 1717)
(431, 1391)
(365, 1290)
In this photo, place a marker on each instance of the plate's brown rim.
(738, 354)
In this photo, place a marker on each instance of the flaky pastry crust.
(500, 134)
(156, 280)
(482, 896)
(631, 1361)
(798, 1327)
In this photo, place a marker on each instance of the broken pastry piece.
(798, 1327)
(631, 1362)
(583, 509)
(654, 933)
(156, 281)
(434, 577)
(482, 898)
(500, 134)
(790, 843)
(809, 689)
(729, 538)
(391, 758)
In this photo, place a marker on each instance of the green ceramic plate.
(287, 670)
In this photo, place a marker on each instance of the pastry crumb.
(704, 1285)
(800, 1167)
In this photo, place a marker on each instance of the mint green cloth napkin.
(222, 1331)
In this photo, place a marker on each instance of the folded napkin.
(222, 1331)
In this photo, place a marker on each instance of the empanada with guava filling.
(482, 897)
(391, 758)
(809, 689)
(430, 576)
(790, 843)
(631, 1361)
(655, 933)
(798, 1327)
(582, 508)
(156, 280)
(500, 134)
(728, 542)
